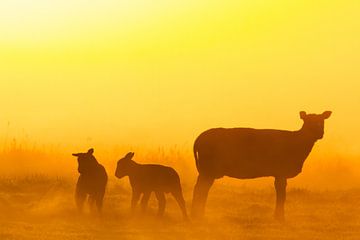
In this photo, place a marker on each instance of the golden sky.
(160, 72)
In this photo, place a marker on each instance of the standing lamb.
(251, 153)
(91, 182)
(147, 178)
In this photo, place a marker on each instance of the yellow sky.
(160, 72)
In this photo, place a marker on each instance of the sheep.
(91, 182)
(148, 178)
(251, 153)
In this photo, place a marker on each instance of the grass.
(37, 201)
(42, 207)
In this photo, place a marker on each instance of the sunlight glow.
(116, 71)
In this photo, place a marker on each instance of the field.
(41, 206)
(150, 77)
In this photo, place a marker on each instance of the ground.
(42, 207)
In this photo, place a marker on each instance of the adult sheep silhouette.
(91, 182)
(148, 178)
(251, 153)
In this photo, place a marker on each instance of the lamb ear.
(76, 154)
(302, 114)
(326, 114)
(90, 151)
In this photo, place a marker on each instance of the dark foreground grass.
(40, 207)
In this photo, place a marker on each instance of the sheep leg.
(134, 199)
(99, 201)
(144, 201)
(280, 187)
(91, 201)
(162, 203)
(180, 200)
(200, 195)
(80, 197)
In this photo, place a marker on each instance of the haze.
(148, 77)
(159, 73)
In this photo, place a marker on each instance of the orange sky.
(160, 72)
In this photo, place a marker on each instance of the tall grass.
(21, 158)
(37, 198)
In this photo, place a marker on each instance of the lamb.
(148, 178)
(91, 182)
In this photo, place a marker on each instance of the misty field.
(39, 207)
(37, 202)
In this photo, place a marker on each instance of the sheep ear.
(129, 155)
(302, 114)
(90, 151)
(326, 114)
(76, 154)
(132, 154)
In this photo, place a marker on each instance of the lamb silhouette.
(251, 153)
(91, 182)
(148, 178)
